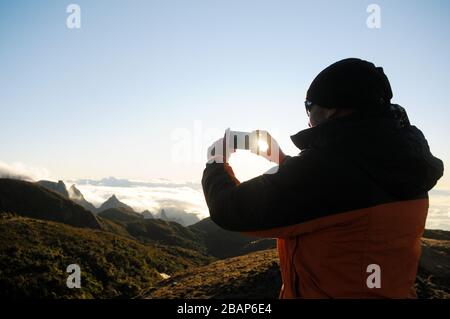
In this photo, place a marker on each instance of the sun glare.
(263, 146)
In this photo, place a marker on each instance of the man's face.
(319, 115)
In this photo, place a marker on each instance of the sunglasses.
(308, 107)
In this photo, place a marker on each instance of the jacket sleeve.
(264, 204)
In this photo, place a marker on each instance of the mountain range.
(113, 202)
(74, 194)
(125, 254)
(36, 201)
(121, 252)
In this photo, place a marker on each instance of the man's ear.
(330, 113)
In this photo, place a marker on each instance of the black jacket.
(345, 164)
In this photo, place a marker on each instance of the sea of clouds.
(174, 197)
(439, 211)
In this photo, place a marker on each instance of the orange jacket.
(355, 198)
(329, 257)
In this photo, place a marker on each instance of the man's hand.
(263, 144)
(220, 151)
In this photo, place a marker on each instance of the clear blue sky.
(105, 99)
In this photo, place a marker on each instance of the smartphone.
(239, 140)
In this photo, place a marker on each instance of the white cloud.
(21, 171)
(439, 211)
(172, 198)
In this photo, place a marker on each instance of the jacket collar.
(351, 128)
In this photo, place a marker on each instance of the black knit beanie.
(350, 84)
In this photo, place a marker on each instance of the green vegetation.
(120, 214)
(149, 231)
(253, 276)
(35, 254)
(169, 233)
(204, 236)
(433, 279)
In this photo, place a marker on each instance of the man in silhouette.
(349, 211)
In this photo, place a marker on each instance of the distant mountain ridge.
(114, 202)
(77, 197)
(58, 187)
(147, 214)
(35, 201)
(72, 193)
(169, 214)
(177, 216)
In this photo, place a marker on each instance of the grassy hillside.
(204, 236)
(255, 275)
(35, 253)
(113, 227)
(31, 200)
(165, 232)
(434, 269)
(150, 231)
